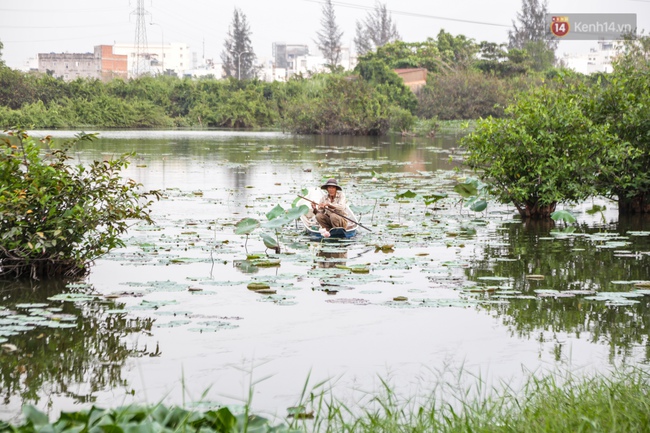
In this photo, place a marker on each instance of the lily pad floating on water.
(258, 285)
(267, 263)
(31, 306)
(355, 269)
(59, 325)
(266, 291)
(388, 248)
(172, 323)
(72, 297)
(213, 326)
(494, 278)
(349, 301)
(279, 299)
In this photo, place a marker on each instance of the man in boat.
(330, 205)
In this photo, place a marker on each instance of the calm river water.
(431, 292)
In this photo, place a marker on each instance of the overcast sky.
(29, 27)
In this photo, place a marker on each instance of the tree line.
(466, 80)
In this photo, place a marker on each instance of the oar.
(336, 213)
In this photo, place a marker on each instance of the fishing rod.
(336, 213)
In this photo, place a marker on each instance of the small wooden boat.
(312, 228)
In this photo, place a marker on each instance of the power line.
(412, 14)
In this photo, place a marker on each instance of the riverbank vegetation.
(571, 140)
(551, 404)
(57, 217)
(466, 80)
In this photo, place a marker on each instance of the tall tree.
(329, 38)
(238, 57)
(376, 30)
(533, 35)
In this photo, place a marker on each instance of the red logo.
(560, 26)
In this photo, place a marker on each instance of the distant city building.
(102, 64)
(168, 59)
(208, 68)
(285, 54)
(295, 59)
(597, 60)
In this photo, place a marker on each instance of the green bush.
(545, 151)
(463, 94)
(622, 100)
(55, 217)
(336, 104)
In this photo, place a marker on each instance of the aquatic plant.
(473, 192)
(277, 218)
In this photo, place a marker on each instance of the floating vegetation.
(279, 299)
(348, 301)
(72, 297)
(255, 285)
(213, 326)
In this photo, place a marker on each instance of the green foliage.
(144, 419)
(55, 217)
(456, 51)
(563, 215)
(329, 37)
(464, 94)
(401, 120)
(401, 54)
(334, 104)
(15, 88)
(277, 218)
(376, 30)
(533, 34)
(238, 56)
(622, 100)
(545, 152)
(474, 193)
(496, 59)
(388, 83)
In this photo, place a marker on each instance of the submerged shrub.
(55, 217)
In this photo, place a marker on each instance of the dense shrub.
(622, 100)
(335, 104)
(463, 94)
(546, 151)
(55, 217)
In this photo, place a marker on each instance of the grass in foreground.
(620, 403)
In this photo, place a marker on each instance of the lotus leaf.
(563, 215)
(246, 226)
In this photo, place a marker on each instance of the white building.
(171, 58)
(597, 60)
(290, 60)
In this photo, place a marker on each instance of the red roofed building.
(414, 78)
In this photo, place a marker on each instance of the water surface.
(169, 318)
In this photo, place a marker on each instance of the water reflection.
(43, 362)
(330, 257)
(571, 267)
(213, 179)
